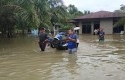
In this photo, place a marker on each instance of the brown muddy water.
(21, 59)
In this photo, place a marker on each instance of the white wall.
(107, 25)
(124, 27)
(92, 27)
(80, 25)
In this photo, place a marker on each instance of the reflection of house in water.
(102, 19)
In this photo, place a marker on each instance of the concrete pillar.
(124, 27)
(107, 25)
(80, 25)
(92, 27)
(54, 30)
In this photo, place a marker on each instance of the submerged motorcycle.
(59, 41)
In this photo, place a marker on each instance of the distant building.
(102, 19)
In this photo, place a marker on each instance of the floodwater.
(21, 59)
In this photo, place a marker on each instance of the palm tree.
(8, 17)
(26, 14)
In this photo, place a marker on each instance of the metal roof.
(101, 14)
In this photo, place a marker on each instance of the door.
(118, 29)
(86, 29)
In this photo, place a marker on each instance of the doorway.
(118, 29)
(96, 25)
(86, 29)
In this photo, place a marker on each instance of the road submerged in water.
(21, 59)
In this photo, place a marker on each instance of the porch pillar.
(80, 25)
(92, 27)
(124, 27)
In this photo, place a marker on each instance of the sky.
(95, 5)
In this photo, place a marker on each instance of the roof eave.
(97, 18)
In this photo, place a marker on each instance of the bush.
(64, 28)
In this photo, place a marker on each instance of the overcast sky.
(96, 5)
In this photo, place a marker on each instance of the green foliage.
(122, 11)
(64, 28)
(120, 22)
(73, 11)
(28, 14)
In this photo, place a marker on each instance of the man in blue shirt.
(71, 40)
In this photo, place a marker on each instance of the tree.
(73, 11)
(122, 11)
(122, 8)
(59, 14)
(27, 14)
(8, 17)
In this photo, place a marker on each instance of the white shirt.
(77, 41)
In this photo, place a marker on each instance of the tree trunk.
(4, 33)
(10, 33)
(23, 31)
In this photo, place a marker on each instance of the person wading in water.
(101, 34)
(43, 38)
(71, 40)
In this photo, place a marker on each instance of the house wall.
(81, 27)
(107, 25)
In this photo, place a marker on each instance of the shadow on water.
(21, 59)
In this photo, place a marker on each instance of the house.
(102, 19)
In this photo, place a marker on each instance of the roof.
(72, 21)
(102, 14)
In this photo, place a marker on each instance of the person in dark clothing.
(43, 37)
(77, 43)
(101, 34)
